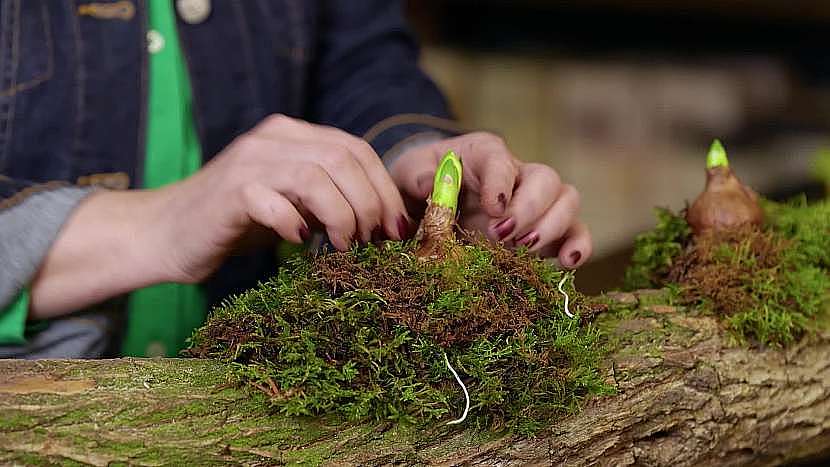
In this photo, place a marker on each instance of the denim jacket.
(73, 88)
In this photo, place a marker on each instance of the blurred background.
(623, 97)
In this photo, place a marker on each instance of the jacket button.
(155, 41)
(193, 11)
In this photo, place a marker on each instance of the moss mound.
(770, 285)
(364, 334)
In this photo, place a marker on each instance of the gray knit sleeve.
(27, 231)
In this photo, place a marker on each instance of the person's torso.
(73, 88)
(73, 80)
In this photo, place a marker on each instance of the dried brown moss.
(484, 293)
(720, 267)
(368, 333)
(770, 284)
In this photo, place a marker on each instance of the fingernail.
(304, 233)
(377, 234)
(344, 241)
(529, 239)
(403, 226)
(503, 201)
(575, 257)
(504, 228)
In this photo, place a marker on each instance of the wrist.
(145, 235)
(104, 249)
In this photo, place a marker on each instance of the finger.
(536, 190)
(490, 171)
(309, 187)
(270, 209)
(415, 173)
(393, 216)
(577, 247)
(392, 213)
(555, 222)
(350, 178)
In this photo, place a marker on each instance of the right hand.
(288, 176)
(285, 176)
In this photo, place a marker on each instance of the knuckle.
(534, 206)
(545, 171)
(335, 132)
(363, 144)
(337, 158)
(249, 194)
(276, 120)
(374, 210)
(362, 147)
(344, 223)
(247, 144)
(340, 136)
(491, 149)
(572, 194)
(491, 139)
(310, 175)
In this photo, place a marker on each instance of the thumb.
(414, 171)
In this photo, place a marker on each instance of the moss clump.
(655, 251)
(770, 284)
(364, 333)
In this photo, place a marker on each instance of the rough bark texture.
(686, 396)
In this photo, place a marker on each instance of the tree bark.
(687, 395)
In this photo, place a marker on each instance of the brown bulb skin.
(726, 203)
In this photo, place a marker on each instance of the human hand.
(285, 176)
(508, 200)
(288, 176)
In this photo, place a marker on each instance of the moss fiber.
(770, 285)
(362, 334)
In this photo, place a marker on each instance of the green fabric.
(13, 320)
(163, 316)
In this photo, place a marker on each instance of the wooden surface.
(685, 397)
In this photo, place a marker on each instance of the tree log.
(687, 395)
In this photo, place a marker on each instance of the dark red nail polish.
(403, 227)
(575, 257)
(529, 239)
(304, 233)
(504, 228)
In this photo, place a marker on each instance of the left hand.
(508, 200)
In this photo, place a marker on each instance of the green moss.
(363, 335)
(667, 295)
(821, 167)
(17, 458)
(14, 420)
(655, 250)
(770, 286)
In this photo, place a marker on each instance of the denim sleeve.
(30, 220)
(366, 76)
